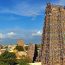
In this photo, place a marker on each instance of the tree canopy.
(7, 55)
(19, 48)
(7, 58)
(23, 62)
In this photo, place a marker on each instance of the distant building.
(2, 51)
(11, 48)
(31, 52)
(20, 43)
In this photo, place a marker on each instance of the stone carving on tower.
(53, 38)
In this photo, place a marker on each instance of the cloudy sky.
(23, 19)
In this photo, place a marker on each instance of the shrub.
(3, 63)
(26, 48)
(8, 57)
(23, 62)
(19, 48)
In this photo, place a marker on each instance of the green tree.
(19, 48)
(3, 63)
(8, 58)
(8, 55)
(26, 48)
(23, 62)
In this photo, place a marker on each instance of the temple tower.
(53, 38)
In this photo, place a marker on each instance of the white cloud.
(23, 35)
(11, 34)
(1, 35)
(7, 35)
(38, 33)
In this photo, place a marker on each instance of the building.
(53, 38)
(31, 51)
(11, 48)
(2, 51)
(20, 43)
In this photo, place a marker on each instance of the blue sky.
(23, 19)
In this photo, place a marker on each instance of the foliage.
(8, 62)
(27, 59)
(8, 58)
(38, 45)
(7, 55)
(23, 62)
(26, 48)
(12, 62)
(19, 48)
(3, 63)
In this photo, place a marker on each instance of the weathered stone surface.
(31, 51)
(53, 36)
